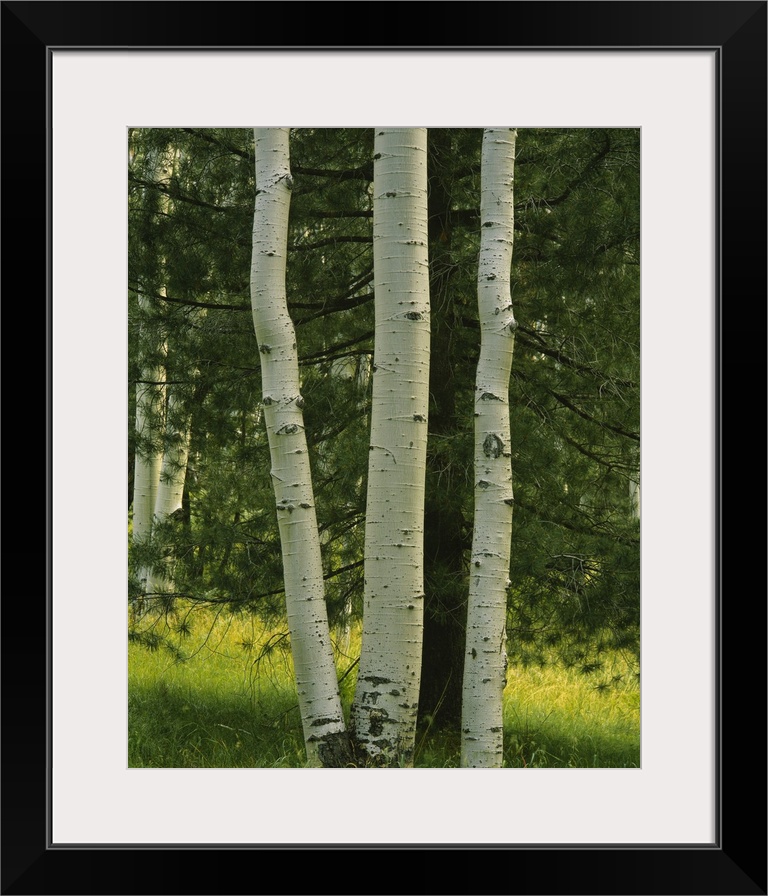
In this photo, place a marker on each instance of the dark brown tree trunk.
(445, 530)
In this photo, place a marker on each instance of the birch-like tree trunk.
(150, 421)
(385, 707)
(485, 658)
(160, 474)
(170, 491)
(634, 491)
(325, 736)
(150, 409)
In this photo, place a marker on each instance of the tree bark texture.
(322, 718)
(150, 422)
(485, 657)
(385, 707)
(150, 409)
(170, 489)
(445, 538)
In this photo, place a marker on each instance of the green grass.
(222, 696)
(558, 718)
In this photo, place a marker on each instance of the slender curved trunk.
(385, 707)
(485, 657)
(325, 736)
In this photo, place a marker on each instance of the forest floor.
(220, 694)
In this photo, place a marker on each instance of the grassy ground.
(227, 701)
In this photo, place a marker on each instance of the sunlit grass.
(217, 692)
(558, 718)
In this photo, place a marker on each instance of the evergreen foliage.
(574, 588)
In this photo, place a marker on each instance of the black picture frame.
(736, 862)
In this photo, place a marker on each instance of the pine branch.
(533, 339)
(191, 303)
(215, 141)
(330, 353)
(352, 213)
(330, 241)
(585, 416)
(173, 192)
(593, 531)
(364, 172)
(567, 403)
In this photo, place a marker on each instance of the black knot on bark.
(493, 445)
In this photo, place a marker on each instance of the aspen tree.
(485, 656)
(151, 394)
(385, 707)
(150, 407)
(170, 489)
(322, 718)
(161, 467)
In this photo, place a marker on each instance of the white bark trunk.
(150, 423)
(634, 493)
(150, 405)
(170, 491)
(316, 681)
(485, 657)
(386, 699)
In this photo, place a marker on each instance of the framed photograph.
(692, 818)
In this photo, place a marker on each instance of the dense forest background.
(574, 589)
